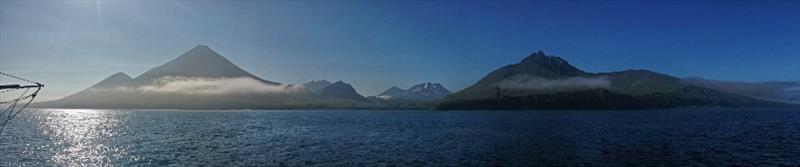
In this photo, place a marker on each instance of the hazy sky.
(374, 45)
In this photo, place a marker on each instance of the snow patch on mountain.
(420, 92)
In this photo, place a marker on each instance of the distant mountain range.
(421, 92)
(421, 96)
(548, 82)
(788, 92)
(342, 90)
(317, 86)
(203, 79)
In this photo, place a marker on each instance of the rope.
(19, 78)
(12, 111)
(8, 90)
(18, 99)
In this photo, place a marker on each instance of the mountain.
(343, 90)
(420, 92)
(203, 79)
(788, 92)
(200, 61)
(107, 92)
(542, 81)
(393, 91)
(116, 80)
(316, 86)
(536, 64)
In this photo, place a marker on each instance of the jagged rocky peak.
(427, 85)
(340, 89)
(339, 84)
(540, 57)
(552, 63)
(431, 90)
(318, 82)
(421, 92)
(316, 86)
(394, 90)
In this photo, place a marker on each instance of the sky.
(70, 45)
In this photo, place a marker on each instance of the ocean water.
(717, 137)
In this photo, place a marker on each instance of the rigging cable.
(13, 105)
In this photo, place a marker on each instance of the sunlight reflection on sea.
(678, 137)
(82, 133)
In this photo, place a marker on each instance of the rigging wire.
(13, 105)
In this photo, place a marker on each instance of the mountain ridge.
(202, 79)
(316, 86)
(340, 89)
(420, 92)
(781, 91)
(118, 79)
(540, 81)
(200, 61)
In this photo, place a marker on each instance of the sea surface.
(713, 137)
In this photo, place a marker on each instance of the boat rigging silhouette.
(16, 105)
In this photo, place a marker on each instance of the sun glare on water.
(81, 132)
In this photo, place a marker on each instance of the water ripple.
(683, 137)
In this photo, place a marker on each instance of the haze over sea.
(717, 137)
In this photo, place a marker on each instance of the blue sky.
(374, 45)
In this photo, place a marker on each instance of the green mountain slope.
(548, 82)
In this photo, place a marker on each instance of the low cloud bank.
(538, 83)
(209, 86)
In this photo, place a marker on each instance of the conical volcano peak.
(200, 61)
(120, 75)
(201, 51)
(115, 80)
(202, 47)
